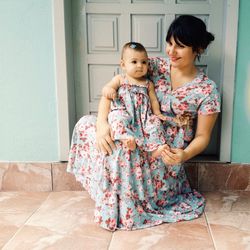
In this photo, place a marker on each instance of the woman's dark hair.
(190, 31)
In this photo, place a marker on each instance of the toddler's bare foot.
(159, 150)
(129, 143)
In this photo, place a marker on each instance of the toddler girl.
(135, 116)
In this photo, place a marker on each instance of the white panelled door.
(103, 26)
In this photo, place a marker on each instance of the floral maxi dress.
(132, 190)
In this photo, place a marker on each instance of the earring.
(198, 56)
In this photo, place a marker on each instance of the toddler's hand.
(162, 117)
(109, 93)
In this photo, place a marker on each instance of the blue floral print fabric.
(131, 189)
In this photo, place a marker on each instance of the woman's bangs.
(181, 38)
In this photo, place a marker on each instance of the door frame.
(227, 77)
(61, 81)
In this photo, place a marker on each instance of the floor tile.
(176, 236)
(64, 221)
(230, 230)
(12, 202)
(40, 238)
(15, 210)
(243, 202)
(9, 224)
(26, 177)
(222, 201)
(62, 180)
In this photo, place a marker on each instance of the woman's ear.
(200, 51)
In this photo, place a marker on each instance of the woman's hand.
(173, 156)
(104, 140)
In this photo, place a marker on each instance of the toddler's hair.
(135, 46)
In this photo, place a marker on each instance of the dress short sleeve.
(212, 101)
(157, 67)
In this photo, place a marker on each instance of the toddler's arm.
(154, 102)
(110, 89)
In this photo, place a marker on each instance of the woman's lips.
(174, 59)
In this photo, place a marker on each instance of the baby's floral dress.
(131, 116)
(131, 189)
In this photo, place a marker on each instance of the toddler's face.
(135, 63)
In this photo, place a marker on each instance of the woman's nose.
(171, 50)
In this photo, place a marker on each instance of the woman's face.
(181, 56)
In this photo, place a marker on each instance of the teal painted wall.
(28, 121)
(241, 120)
(28, 116)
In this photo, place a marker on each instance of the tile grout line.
(229, 175)
(210, 231)
(111, 240)
(19, 229)
(52, 181)
(2, 178)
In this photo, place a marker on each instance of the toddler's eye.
(144, 62)
(134, 62)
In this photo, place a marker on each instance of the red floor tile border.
(223, 176)
(204, 176)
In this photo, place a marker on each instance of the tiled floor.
(64, 220)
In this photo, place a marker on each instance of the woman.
(131, 189)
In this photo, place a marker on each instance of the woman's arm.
(104, 141)
(154, 102)
(202, 137)
(153, 99)
(203, 133)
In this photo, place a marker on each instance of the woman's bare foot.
(159, 150)
(129, 143)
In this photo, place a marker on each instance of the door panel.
(148, 30)
(102, 33)
(99, 74)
